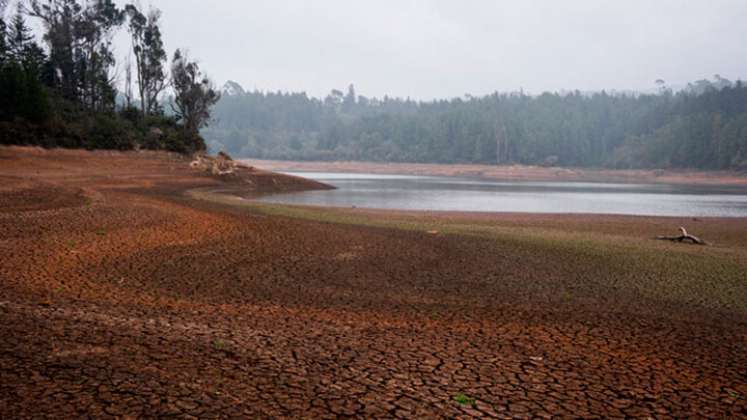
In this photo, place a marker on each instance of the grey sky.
(427, 49)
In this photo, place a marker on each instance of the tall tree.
(333, 101)
(95, 28)
(61, 19)
(128, 82)
(19, 35)
(3, 32)
(194, 93)
(501, 142)
(348, 103)
(150, 57)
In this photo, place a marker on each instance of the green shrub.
(180, 141)
(131, 114)
(109, 132)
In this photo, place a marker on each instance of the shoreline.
(513, 172)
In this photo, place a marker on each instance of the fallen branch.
(683, 237)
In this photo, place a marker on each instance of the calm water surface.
(463, 194)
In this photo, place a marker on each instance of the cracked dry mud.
(122, 297)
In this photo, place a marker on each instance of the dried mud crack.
(122, 296)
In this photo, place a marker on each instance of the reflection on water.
(461, 194)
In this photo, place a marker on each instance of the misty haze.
(373, 209)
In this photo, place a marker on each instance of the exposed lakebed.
(408, 192)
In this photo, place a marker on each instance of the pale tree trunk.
(684, 236)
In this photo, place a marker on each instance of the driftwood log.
(683, 237)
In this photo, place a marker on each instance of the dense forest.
(702, 126)
(64, 91)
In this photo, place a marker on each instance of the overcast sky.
(426, 49)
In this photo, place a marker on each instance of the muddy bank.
(63, 168)
(123, 296)
(514, 172)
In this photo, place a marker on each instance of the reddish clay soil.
(120, 297)
(514, 172)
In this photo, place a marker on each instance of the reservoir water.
(409, 192)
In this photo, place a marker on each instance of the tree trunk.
(683, 237)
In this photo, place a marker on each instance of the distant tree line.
(703, 126)
(64, 92)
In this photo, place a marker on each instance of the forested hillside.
(703, 126)
(60, 87)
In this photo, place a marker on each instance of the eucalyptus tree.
(194, 93)
(150, 57)
(60, 19)
(96, 27)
